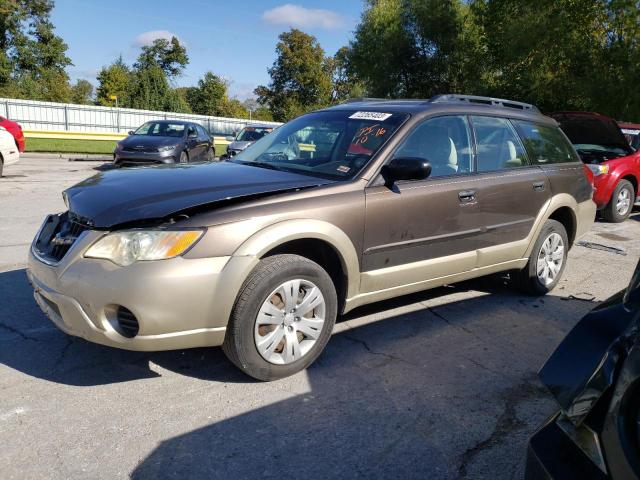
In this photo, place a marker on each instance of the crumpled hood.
(586, 127)
(121, 196)
(238, 145)
(586, 363)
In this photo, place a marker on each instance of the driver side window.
(443, 141)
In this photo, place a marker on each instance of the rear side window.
(545, 144)
(497, 144)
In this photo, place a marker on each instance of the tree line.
(557, 54)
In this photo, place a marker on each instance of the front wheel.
(546, 262)
(282, 319)
(621, 204)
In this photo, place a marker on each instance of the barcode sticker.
(376, 116)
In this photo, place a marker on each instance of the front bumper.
(125, 158)
(553, 455)
(10, 156)
(179, 303)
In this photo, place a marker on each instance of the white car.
(9, 153)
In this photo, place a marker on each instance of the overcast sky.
(234, 39)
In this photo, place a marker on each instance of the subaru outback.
(338, 208)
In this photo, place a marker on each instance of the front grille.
(57, 236)
(140, 149)
(127, 323)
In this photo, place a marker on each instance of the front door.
(420, 230)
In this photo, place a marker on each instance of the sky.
(234, 39)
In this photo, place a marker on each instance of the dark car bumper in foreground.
(553, 454)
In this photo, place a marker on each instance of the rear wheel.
(546, 262)
(184, 157)
(282, 319)
(1, 165)
(621, 204)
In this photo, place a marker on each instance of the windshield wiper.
(270, 166)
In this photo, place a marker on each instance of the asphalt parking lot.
(437, 385)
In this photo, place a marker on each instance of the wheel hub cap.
(289, 322)
(550, 259)
(623, 202)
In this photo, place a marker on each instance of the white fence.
(35, 115)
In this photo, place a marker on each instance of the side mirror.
(130, 132)
(408, 168)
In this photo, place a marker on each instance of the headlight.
(119, 147)
(125, 248)
(167, 148)
(598, 169)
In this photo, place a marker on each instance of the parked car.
(260, 253)
(248, 135)
(9, 153)
(165, 141)
(615, 165)
(594, 375)
(15, 130)
(631, 132)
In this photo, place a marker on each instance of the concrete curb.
(69, 156)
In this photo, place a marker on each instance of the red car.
(14, 129)
(614, 163)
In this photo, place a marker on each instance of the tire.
(184, 157)
(528, 279)
(1, 165)
(211, 154)
(617, 211)
(262, 287)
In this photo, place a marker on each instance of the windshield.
(331, 144)
(161, 129)
(252, 134)
(600, 148)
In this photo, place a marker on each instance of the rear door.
(511, 191)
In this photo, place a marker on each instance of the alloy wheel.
(550, 259)
(290, 322)
(623, 202)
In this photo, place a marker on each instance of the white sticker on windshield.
(376, 116)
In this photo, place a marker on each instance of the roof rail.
(365, 99)
(496, 102)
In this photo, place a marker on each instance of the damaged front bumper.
(176, 303)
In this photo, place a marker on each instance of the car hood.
(585, 128)
(144, 141)
(587, 361)
(238, 145)
(118, 197)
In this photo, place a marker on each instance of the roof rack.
(495, 102)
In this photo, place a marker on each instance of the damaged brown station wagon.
(338, 208)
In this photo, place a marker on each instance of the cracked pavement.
(438, 385)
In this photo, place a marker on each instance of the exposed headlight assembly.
(127, 247)
(598, 169)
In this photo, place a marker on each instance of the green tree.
(345, 81)
(209, 96)
(300, 77)
(415, 48)
(82, 92)
(150, 90)
(114, 80)
(169, 55)
(31, 52)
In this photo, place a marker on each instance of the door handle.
(467, 196)
(538, 186)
